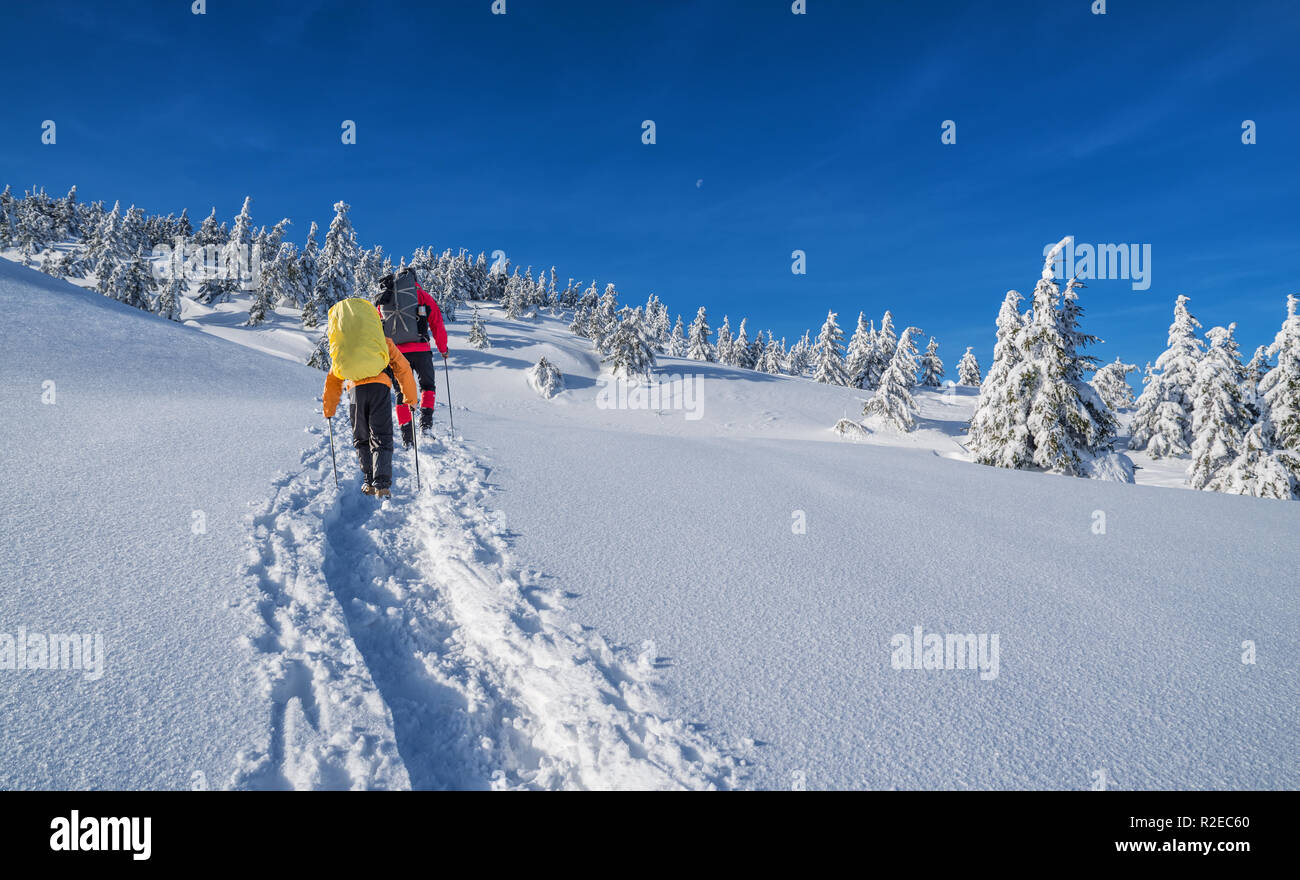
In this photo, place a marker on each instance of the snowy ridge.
(400, 648)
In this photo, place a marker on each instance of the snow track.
(399, 647)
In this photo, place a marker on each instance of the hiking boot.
(407, 432)
(382, 492)
(367, 489)
(426, 420)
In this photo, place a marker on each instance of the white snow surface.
(585, 597)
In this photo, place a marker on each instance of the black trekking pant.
(372, 432)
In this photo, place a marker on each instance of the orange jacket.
(401, 369)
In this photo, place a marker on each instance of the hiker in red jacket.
(419, 352)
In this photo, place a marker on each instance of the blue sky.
(775, 132)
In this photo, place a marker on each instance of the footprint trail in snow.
(398, 647)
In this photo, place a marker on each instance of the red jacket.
(436, 328)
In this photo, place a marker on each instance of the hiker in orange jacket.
(370, 406)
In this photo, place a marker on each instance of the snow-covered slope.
(594, 597)
(155, 432)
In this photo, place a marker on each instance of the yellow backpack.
(358, 349)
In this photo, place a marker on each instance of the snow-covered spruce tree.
(676, 345)
(56, 264)
(320, 356)
(8, 222)
(515, 302)
(892, 403)
(1111, 384)
(581, 323)
(657, 323)
(998, 435)
(772, 359)
(757, 348)
(277, 280)
(1069, 425)
(1263, 469)
(1220, 417)
(1256, 370)
(882, 353)
(1280, 387)
(308, 276)
(337, 263)
(174, 285)
(931, 366)
(477, 333)
(546, 379)
(132, 282)
(604, 320)
(826, 353)
(800, 355)
(209, 232)
(631, 350)
(67, 216)
(1162, 424)
(968, 369)
(106, 248)
(698, 348)
(861, 349)
(740, 347)
(722, 347)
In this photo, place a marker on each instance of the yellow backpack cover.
(358, 349)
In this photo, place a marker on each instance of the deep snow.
(599, 597)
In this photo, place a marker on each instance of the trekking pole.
(446, 374)
(415, 447)
(333, 460)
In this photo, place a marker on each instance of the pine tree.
(968, 369)
(861, 351)
(800, 355)
(771, 360)
(1111, 384)
(892, 403)
(830, 362)
(132, 282)
(209, 232)
(1256, 370)
(604, 320)
(886, 343)
(8, 219)
(631, 350)
(336, 265)
(931, 366)
(740, 347)
(477, 334)
(698, 348)
(174, 285)
(320, 356)
(722, 348)
(56, 265)
(546, 379)
(676, 346)
(1280, 387)
(1220, 417)
(107, 247)
(1162, 424)
(1068, 424)
(998, 432)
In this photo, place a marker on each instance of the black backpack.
(398, 299)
